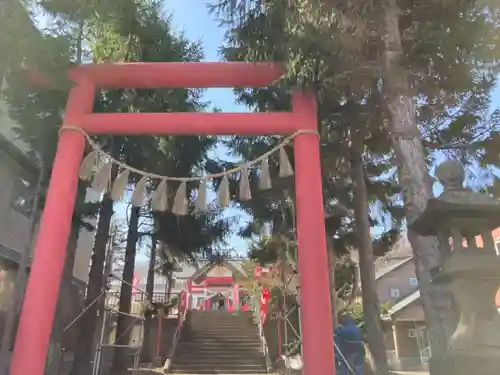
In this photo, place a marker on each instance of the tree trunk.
(333, 291)
(124, 321)
(54, 356)
(415, 180)
(147, 344)
(87, 323)
(371, 306)
(170, 284)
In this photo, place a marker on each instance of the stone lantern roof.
(469, 212)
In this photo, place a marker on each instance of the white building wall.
(14, 225)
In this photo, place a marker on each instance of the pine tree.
(130, 31)
(434, 56)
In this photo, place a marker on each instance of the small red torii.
(40, 301)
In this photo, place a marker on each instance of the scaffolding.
(110, 311)
(296, 339)
(284, 313)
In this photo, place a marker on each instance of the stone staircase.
(219, 342)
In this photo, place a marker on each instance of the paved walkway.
(156, 371)
(159, 370)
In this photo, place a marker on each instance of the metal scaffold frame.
(285, 313)
(284, 317)
(107, 311)
(101, 345)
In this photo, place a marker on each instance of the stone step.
(233, 327)
(226, 342)
(204, 332)
(227, 355)
(193, 347)
(216, 361)
(217, 342)
(221, 312)
(222, 321)
(226, 339)
(224, 324)
(215, 330)
(227, 369)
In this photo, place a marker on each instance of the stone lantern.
(471, 270)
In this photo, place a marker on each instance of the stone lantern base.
(464, 365)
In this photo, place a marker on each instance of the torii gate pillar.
(40, 301)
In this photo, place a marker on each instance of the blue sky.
(193, 19)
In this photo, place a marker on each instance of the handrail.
(265, 348)
(182, 312)
(425, 354)
(262, 336)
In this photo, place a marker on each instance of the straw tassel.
(102, 179)
(180, 201)
(139, 196)
(159, 200)
(223, 193)
(265, 176)
(286, 169)
(245, 193)
(120, 185)
(88, 165)
(201, 199)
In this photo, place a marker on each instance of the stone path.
(156, 371)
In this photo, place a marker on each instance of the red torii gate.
(40, 301)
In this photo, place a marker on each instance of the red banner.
(264, 304)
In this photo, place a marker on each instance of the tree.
(410, 56)
(340, 125)
(371, 306)
(110, 32)
(153, 41)
(150, 284)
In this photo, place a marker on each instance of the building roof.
(405, 302)
(203, 271)
(392, 267)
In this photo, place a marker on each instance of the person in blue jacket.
(349, 348)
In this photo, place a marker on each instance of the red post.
(316, 321)
(35, 325)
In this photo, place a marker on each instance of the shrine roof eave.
(202, 273)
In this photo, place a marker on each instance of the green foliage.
(356, 311)
(151, 310)
(272, 31)
(24, 45)
(336, 51)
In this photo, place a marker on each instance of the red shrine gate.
(40, 301)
